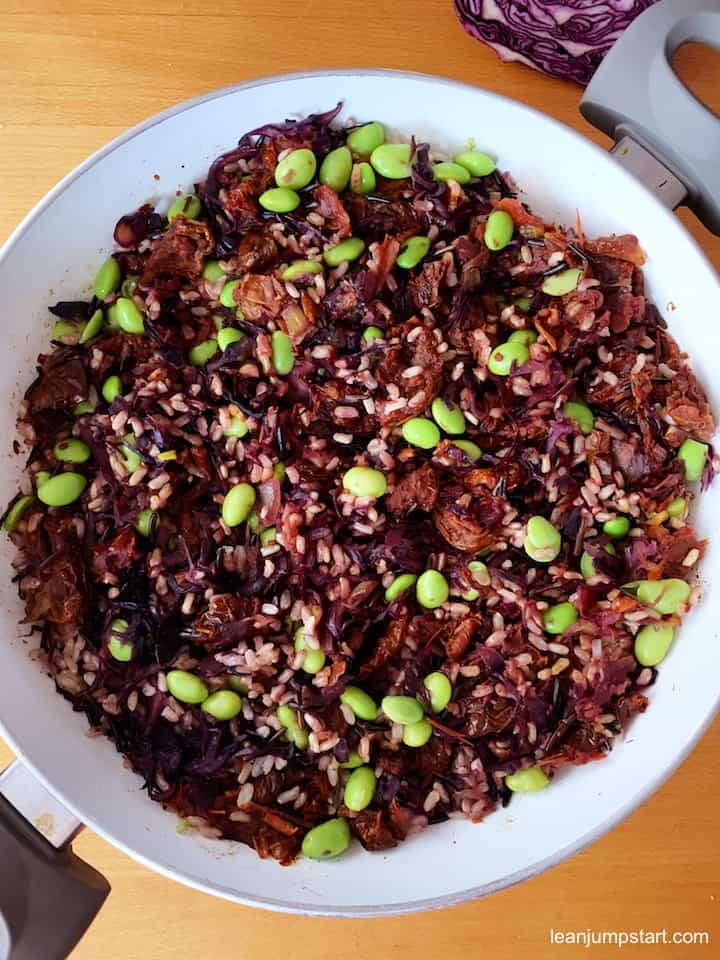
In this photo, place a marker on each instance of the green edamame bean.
(186, 687)
(80, 409)
(237, 684)
(400, 709)
(665, 596)
(412, 252)
(119, 649)
(301, 268)
(523, 303)
(353, 761)
(112, 319)
(558, 618)
(336, 168)
(71, 451)
(360, 789)
(527, 781)
(479, 164)
(499, 230)
(417, 734)
(112, 388)
(268, 536)
(676, 507)
(365, 482)
(561, 283)
(237, 427)
(213, 271)
(451, 420)
(15, 513)
(327, 840)
(526, 336)
(542, 534)
(440, 690)
(287, 716)
(314, 659)
(392, 160)
(223, 704)
(299, 737)
(283, 357)
(581, 414)
(361, 703)
(479, 572)
(145, 522)
(481, 575)
(373, 333)
(446, 170)
(296, 170)
(279, 200)
(226, 294)
(62, 489)
(254, 522)
(128, 316)
(93, 327)
(542, 541)
(189, 206)
(363, 140)
(202, 352)
(693, 454)
(587, 562)
(652, 643)
(131, 459)
(399, 586)
(129, 286)
(294, 732)
(470, 449)
(420, 432)
(279, 471)
(507, 355)
(431, 589)
(64, 330)
(362, 179)
(41, 477)
(617, 527)
(349, 249)
(107, 279)
(238, 502)
(228, 335)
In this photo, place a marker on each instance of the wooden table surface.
(74, 74)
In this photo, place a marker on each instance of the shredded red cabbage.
(566, 40)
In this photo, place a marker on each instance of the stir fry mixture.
(358, 494)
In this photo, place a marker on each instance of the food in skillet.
(357, 496)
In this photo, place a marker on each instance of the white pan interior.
(54, 256)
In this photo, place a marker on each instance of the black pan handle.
(48, 896)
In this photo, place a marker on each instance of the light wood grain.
(74, 74)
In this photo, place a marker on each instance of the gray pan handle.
(48, 896)
(664, 134)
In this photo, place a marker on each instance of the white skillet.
(63, 778)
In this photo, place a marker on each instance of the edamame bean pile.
(358, 494)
